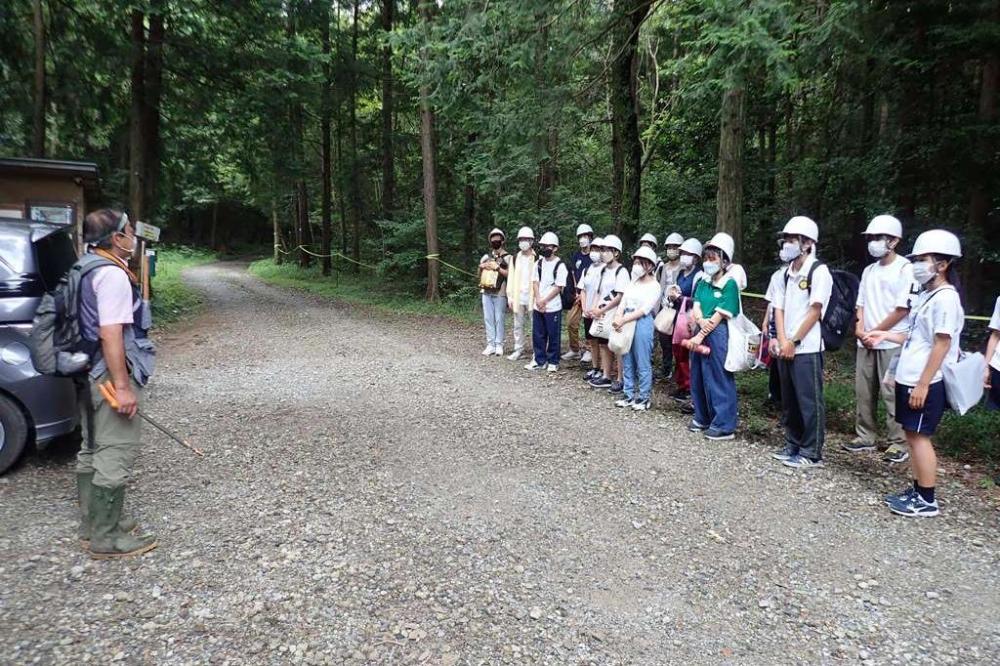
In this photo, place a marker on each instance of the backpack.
(568, 293)
(57, 347)
(838, 322)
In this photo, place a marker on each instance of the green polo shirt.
(725, 299)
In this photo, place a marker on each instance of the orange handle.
(109, 393)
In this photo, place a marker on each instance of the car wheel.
(13, 433)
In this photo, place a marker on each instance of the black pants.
(666, 352)
(803, 409)
(774, 383)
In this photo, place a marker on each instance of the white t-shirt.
(995, 325)
(114, 296)
(883, 289)
(588, 285)
(641, 296)
(795, 297)
(554, 274)
(614, 280)
(938, 311)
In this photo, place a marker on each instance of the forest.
(391, 133)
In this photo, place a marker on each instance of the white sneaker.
(532, 365)
(552, 367)
(641, 406)
(498, 350)
(586, 358)
(515, 356)
(488, 351)
(624, 402)
(570, 355)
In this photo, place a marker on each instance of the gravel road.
(375, 491)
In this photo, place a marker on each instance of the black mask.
(546, 252)
(496, 244)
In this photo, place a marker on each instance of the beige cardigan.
(516, 265)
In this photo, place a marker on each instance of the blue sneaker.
(717, 435)
(902, 497)
(786, 453)
(600, 382)
(915, 507)
(801, 462)
(694, 426)
(616, 387)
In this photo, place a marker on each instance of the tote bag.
(963, 381)
(601, 328)
(665, 319)
(744, 344)
(681, 332)
(620, 342)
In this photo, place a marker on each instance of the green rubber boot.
(84, 488)
(106, 540)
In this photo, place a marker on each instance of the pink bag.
(681, 332)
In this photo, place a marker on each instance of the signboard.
(147, 231)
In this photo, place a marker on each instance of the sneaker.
(717, 435)
(800, 461)
(901, 498)
(680, 396)
(533, 365)
(784, 454)
(624, 402)
(552, 367)
(687, 408)
(498, 350)
(915, 507)
(858, 445)
(641, 405)
(896, 454)
(591, 374)
(586, 358)
(515, 356)
(600, 382)
(694, 426)
(616, 387)
(488, 351)
(570, 355)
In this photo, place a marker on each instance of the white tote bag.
(744, 344)
(665, 320)
(601, 328)
(620, 342)
(963, 380)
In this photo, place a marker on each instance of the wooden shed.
(56, 191)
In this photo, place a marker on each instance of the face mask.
(135, 244)
(496, 244)
(607, 256)
(637, 271)
(584, 242)
(547, 252)
(673, 254)
(790, 251)
(924, 271)
(687, 261)
(524, 245)
(711, 267)
(595, 256)
(878, 248)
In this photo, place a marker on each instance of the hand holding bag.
(620, 342)
(664, 322)
(601, 328)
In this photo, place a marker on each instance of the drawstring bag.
(744, 344)
(963, 380)
(601, 328)
(681, 331)
(620, 342)
(665, 320)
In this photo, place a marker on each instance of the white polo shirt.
(883, 289)
(777, 277)
(995, 325)
(794, 296)
(935, 312)
(554, 274)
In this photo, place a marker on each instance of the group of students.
(909, 319)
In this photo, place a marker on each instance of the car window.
(56, 255)
(12, 259)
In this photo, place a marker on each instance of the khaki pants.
(117, 441)
(573, 326)
(868, 373)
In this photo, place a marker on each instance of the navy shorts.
(926, 420)
(993, 395)
(586, 329)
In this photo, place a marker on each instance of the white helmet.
(692, 245)
(549, 238)
(801, 225)
(612, 242)
(723, 241)
(584, 229)
(525, 232)
(937, 241)
(884, 224)
(674, 239)
(496, 232)
(597, 242)
(646, 253)
(648, 238)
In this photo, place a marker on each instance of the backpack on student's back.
(568, 293)
(838, 322)
(56, 342)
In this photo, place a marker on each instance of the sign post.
(147, 233)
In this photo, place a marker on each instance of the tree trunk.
(388, 165)
(617, 175)
(137, 144)
(327, 202)
(427, 150)
(151, 103)
(625, 104)
(38, 115)
(729, 200)
(213, 239)
(354, 176)
(278, 257)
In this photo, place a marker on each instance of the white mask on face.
(135, 244)
(607, 256)
(584, 242)
(790, 251)
(687, 261)
(878, 248)
(924, 271)
(711, 267)
(525, 245)
(595, 256)
(637, 271)
(672, 254)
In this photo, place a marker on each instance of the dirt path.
(375, 491)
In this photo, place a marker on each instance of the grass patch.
(172, 299)
(378, 291)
